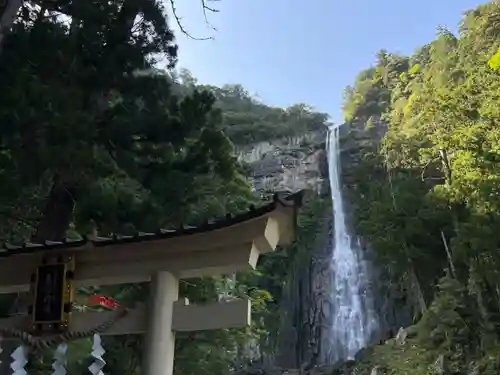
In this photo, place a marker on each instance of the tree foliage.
(432, 199)
(247, 120)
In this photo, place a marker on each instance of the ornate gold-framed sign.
(53, 293)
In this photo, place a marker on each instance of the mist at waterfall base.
(354, 320)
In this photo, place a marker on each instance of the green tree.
(426, 196)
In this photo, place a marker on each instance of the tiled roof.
(253, 212)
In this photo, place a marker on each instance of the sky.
(304, 51)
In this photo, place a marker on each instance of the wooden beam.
(227, 314)
(187, 318)
(121, 271)
(222, 251)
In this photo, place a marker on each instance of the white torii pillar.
(158, 356)
(166, 315)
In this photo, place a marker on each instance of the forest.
(426, 197)
(95, 138)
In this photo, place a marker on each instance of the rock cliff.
(306, 303)
(291, 164)
(304, 337)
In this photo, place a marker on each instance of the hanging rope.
(38, 343)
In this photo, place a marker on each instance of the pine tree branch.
(178, 19)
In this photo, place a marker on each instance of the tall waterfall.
(354, 320)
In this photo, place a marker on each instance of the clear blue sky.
(290, 51)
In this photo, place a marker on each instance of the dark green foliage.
(450, 324)
(247, 120)
(431, 199)
(97, 127)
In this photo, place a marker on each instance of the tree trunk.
(448, 174)
(418, 290)
(58, 213)
(445, 161)
(449, 255)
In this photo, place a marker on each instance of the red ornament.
(104, 301)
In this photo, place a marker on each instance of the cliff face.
(291, 164)
(288, 164)
(306, 305)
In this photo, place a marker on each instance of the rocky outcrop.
(288, 164)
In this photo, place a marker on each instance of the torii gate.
(222, 247)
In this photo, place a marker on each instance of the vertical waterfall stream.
(354, 320)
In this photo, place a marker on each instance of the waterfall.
(354, 321)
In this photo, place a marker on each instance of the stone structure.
(52, 270)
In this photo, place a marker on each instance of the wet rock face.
(307, 309)
(287, 164)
